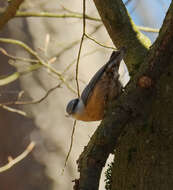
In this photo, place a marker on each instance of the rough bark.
(146, 141)
(10, 12)
(143, 158)
(123, 31)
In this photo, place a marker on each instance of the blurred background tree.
(53, 30)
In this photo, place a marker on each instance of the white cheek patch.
(124, 76)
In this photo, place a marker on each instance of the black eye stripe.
(75, 104)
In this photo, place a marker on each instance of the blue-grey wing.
(89, 88)
(115, 58)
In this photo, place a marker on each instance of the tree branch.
(20, 112)
(10, 12)
(12, 162)
(33, 101)
(133, 104)
(37, 57)
(55, 15)
(73, 15)
(123, 31)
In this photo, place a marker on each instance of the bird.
(105, 86)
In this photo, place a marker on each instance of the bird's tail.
(117, 56)
(116, 60)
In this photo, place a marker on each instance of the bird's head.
(71, 106)
(75, 106)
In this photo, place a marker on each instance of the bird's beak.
(66, 115)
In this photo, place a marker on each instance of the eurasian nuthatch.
(105, 86)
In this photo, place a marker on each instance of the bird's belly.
(94, 114)
(95, 108)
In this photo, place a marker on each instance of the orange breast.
(106, 89)
(96, 106)
(94, 110)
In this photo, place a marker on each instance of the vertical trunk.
(143, 159)
(142, 116)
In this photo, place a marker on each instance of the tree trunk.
(143, 158)
(138, 125)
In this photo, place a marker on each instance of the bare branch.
(12, 162)
(3, 51)
(54, 15)
(71, 144)
(148, 29)
(75, 15)
(105, 46)
(20, 112)
(16, 75)
(80, 47)
(9, 12)
(31, 102)
(41, 61)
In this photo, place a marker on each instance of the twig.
(47, 40)
(16, 75)
(54, 15)
(74, 15)
(20, 112)
(148, 29)
(100, 44)
(42, 62)
(12, 162)
(20, 94)
(31, 102)
(80, 48)
(70, 148)
(3, 51)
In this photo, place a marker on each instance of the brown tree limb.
(133, 104)
(10, 12)
(123, 31)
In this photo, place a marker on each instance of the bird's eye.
(75, 102)
(71, 106)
